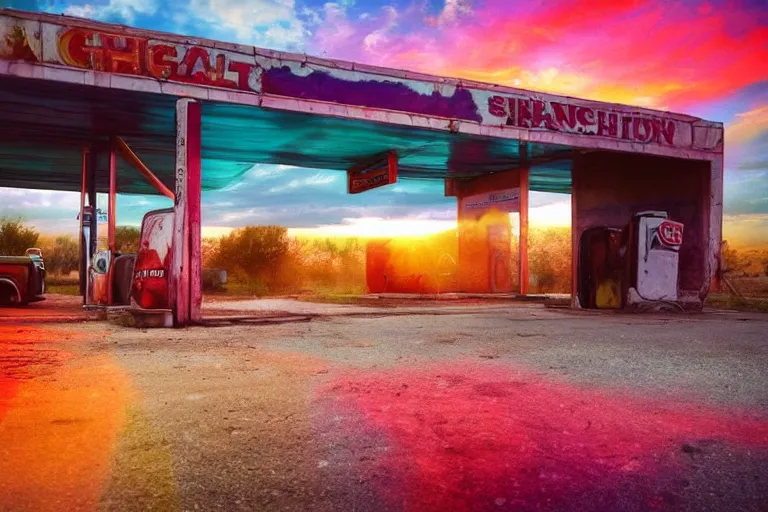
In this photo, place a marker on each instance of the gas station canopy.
(52, 122)
(68, 83)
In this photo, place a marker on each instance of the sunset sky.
(707, 59)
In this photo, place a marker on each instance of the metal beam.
(133, 159)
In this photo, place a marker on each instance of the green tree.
(255, 254)
(15, 237)
(127, 239)
(63, 257)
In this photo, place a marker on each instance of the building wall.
(608, 188)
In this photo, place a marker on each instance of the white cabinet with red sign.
(659, 241)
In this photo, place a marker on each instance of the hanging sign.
(369, 178)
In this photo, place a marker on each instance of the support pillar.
(186, 264)
(575, 232)
(111, 218)
(524, 187)
(92, 198)
(714, 236)
(84, 258)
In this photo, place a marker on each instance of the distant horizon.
(743, 234)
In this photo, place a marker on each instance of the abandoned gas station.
(98, 108)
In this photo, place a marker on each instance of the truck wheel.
(7, 295)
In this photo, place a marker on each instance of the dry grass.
(751, 286)
(62, 285)
(732, 302)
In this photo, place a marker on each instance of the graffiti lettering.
(360, 184)
(497, 106)
(572, 118)
(151, 273)
(607, 127)
(565, 120)
(137, 56)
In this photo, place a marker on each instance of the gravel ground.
(474, 408)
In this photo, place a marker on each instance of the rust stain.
(18, 42)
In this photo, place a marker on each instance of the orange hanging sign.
(371, 177)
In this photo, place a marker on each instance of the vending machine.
(655, 244)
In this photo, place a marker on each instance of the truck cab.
(22, 278)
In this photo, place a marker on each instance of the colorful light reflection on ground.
(377, 414)
(472, 436)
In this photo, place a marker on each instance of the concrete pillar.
(185, 277)
(523, 256)
(112, 219)
(85, 245)
(575, 232)
(484, 232)
(714, 200)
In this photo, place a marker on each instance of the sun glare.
(375, 228)
(550, 215)
(215, 231)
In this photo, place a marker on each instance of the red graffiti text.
(570, 118)
(138, 56)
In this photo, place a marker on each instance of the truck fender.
(8, 280)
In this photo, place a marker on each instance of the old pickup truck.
(22, 278)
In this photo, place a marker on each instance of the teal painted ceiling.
(45, 126)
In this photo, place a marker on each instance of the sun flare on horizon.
(546, 216)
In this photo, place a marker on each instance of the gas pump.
(109, 279)
(654, 257)
(624, 267)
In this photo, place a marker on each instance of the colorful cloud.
(701, 57)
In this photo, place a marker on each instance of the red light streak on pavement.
(20, 357)
(473, 437)
(59, 418)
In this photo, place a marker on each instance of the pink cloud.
(646, 52)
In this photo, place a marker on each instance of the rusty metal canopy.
(46, 125)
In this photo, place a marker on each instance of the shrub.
(549, 260)
(63, 256)
(127, 239)
(15, 237)
(253, 254)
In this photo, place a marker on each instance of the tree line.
(61, 253)
(262, 260)
(266, 260)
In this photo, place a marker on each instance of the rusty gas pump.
(654, 257)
